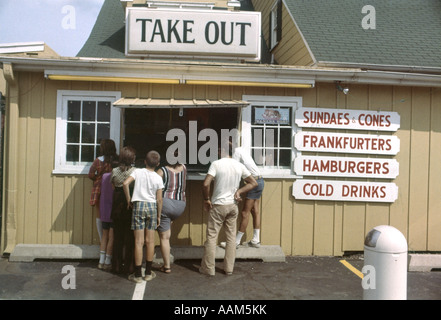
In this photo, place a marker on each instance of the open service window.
(193, 131)
(268, 130)
(83, 119)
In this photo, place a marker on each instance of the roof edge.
(380, 67)
(228, 72)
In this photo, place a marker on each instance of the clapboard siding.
(54, 209)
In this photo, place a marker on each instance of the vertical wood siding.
(54, 209)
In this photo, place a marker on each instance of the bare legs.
(106, 249)
(165, 248)
(148, 237)
(251, 206)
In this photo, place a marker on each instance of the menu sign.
(345, 191)
(346, 167)
(347, 119)
(347, 143)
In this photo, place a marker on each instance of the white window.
(275, 24)
(83, 119)
(268, 130)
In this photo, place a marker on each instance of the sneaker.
(254, 244)
(135, 279)
(150, 276)
(224, 244)
(101, 266)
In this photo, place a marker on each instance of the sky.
(64, 25)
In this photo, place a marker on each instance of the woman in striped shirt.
(174, 177)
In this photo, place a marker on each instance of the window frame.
(282, 101)
(63, 96)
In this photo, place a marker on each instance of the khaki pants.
(220, 215)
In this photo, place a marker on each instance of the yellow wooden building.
(298, 63)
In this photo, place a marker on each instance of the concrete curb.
(30, 252)
(424, 262)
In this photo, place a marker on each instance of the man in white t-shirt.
(146, 214)
(223, 211)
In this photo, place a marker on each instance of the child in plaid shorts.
(147, 205)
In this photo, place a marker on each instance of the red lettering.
(383, 192)
(363, 191)
(386, 168)
(380, 145)
(318, 190)
(305, 114)
(389, 146)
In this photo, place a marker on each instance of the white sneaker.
(224, 244)
(255, 244)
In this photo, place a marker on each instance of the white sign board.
(196, 33)
(347, 119)
(346, 167)
(346, 143)
(345, 191)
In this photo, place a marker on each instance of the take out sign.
(200, 33)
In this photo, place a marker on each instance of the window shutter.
(279, 20)
(270, 30)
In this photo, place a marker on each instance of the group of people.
(131, 204)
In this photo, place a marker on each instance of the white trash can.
(385, 265)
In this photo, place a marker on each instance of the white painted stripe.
(138, 294)
(139, 291)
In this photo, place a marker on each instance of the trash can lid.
(385, 239)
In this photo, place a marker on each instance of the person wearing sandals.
(173, 205)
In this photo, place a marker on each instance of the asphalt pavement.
(253, 282)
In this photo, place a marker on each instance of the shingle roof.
(106, 39)
(407, 33)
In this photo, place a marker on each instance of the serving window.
(146, 129)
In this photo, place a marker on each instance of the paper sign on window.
(271, 116)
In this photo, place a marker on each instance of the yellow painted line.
(352, 268)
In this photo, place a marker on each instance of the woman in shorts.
(174, 177)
